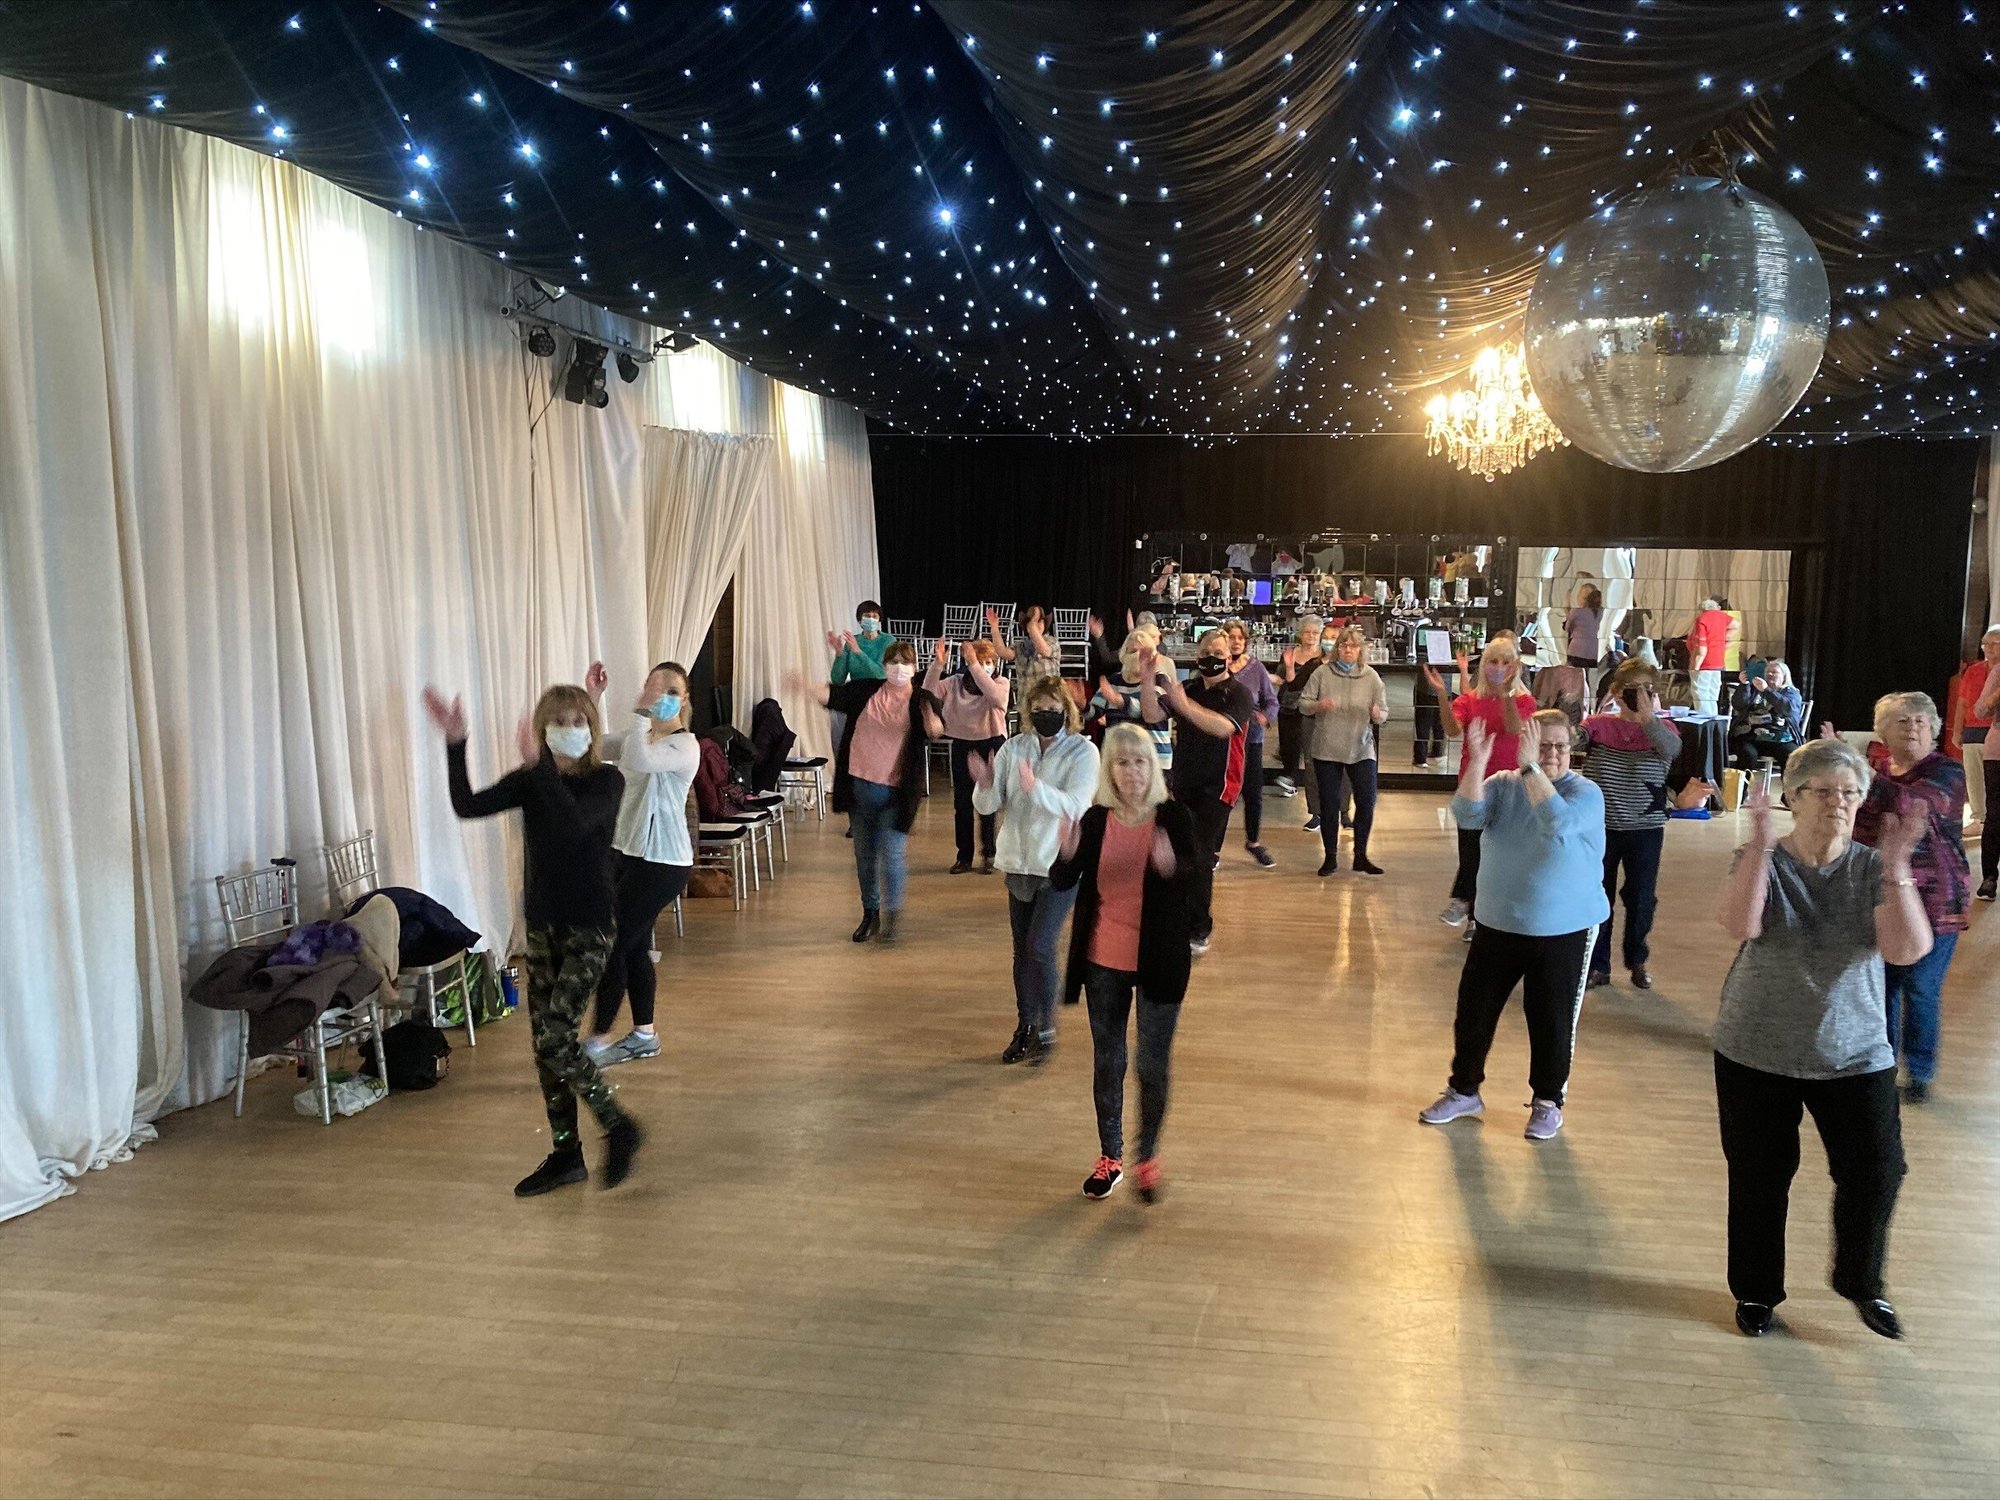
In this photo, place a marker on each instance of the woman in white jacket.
(653, 854)
(1345, 700)
(1040, 780)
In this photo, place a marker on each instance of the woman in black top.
(1106, 963)
(569, 807)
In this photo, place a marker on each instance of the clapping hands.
(448, 717)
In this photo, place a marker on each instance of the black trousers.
(1211, 826)
(1862, 1131)
(1989, 832)
(1465, 884)
(1110, 992)
(1550, 971)
(961, 798)
(1337, 781)
(1251, 797)
(1637, 852)
(644, 891)
(1291, 742)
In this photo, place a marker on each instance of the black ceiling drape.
(1876, 606)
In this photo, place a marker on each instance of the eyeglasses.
(1846, 796)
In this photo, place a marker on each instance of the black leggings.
(644, 891)
(1989, 832)
(1465, 884)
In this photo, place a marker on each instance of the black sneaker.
(1311, 825)
(621, 1144)
(1103, 1177)
(560, 1170)
(1363, 865)
(1017, 1049)
(1987, 889)
(1040, 1049)
(1753, 1318)
(1263, 856)
(869, 923)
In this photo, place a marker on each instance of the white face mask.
(899, 673)
(572, 740)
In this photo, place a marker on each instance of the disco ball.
(1678, 326)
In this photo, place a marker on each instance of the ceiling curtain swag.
(1203, 217)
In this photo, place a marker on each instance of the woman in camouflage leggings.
(569, 804)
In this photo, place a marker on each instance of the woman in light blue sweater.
(1540, 898)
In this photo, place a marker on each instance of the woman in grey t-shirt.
(1803, 1027)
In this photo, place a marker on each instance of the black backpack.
(419, 1056)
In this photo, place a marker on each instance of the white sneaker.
(1545, 1118)
(1452, 1105)
(1455, 911)
(1470, 927)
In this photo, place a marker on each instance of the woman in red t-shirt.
(1500, 700)
(1972, 724)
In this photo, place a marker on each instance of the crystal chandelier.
(1497, 424)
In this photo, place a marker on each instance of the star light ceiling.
(1088, 218)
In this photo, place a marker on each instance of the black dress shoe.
(1018, 1048)
(960, 867)
(869, 923)
(1363, 865)
(559, 1170)
(621, 1143)
(1880, 1317)
(1754, 1318)
(1331, 867)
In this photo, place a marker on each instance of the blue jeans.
(878, 845)
(1913, 991)
(1037, 923)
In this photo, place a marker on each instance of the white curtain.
(702, 489)
(269, 462)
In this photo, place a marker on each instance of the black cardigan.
(851, 698)
(1165, 914)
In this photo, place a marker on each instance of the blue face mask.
(870, 625)
(666, 706)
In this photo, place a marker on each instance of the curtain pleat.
(702, 490)
(269, 463)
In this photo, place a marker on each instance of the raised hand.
(1164, 864)
(1898, 839)
(941, 651)
(1530, 750)
(524, 741)
(1763, 828)
(1478, 748)
(1067, 840)
(448, 717)
(993, 620)
(1290, 657)
(1827, 731)
(1096, 627)
(833, 641)
(846, 642)
(1433, 681)
(596, 680)
(981, 767)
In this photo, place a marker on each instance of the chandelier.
(1497, 424)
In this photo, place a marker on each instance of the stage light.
(541, 342)
(584, 383)
(628, 367)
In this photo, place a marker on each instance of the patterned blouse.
(1934, 786)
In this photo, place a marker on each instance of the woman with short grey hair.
(1803, 1028)
(1924, 785)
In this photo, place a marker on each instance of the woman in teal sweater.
(857, 654)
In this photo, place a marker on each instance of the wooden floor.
(854, 1260)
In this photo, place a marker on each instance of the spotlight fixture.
(541, 342)
(584, 384)
(628, 367)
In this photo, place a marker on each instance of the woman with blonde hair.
(1500, 701)
(1041, 778)
(1131, 861)
(1345, 700)
(1119, 702)
(568, 800)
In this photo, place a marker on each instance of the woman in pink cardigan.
(974, 707)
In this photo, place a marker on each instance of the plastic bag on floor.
(351, 1092)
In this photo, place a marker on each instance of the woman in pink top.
(1500, 700)
(974, 706)
(1131, 861)
(877, 776)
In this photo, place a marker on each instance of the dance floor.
(854, 1259)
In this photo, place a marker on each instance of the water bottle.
(510, 986)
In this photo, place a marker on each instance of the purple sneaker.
(1452, 1105)
(1545, 1118)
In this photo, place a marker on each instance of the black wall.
(1881, 530)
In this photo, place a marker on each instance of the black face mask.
(1048, 722)
(1210, 666)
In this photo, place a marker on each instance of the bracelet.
(1906, 880)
